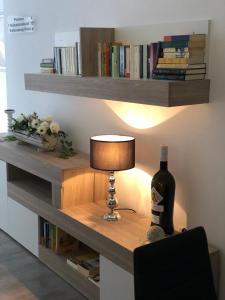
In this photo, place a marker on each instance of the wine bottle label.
(156, 197)
(155, 219)
(156, 207)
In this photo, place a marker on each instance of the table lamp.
(112, 153)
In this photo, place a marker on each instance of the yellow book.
(183, 60)
(180, 66)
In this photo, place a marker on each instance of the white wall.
(195, 135)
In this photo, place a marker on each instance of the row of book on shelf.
(177, 57)
(77, 255)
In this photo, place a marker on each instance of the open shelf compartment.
(67, 256)
(28, 183)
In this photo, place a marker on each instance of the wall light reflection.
(141, 116)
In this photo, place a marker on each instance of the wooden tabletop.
(129, 232)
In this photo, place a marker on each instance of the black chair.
(175, 268)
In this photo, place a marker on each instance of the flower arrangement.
(44, 133)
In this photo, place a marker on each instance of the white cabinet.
(23, 226)
(3, 197)
(15, 219)
(116, 283)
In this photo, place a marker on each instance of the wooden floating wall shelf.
(152, 92)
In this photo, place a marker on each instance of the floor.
(24, 277)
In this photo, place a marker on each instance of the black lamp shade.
(112, 152)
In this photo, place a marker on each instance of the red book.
(106, 59)
(167, 38)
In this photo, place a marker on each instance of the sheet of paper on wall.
(20, 24)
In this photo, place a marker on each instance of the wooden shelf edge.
(151, 92)
(74, 278)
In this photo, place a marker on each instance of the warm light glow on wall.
(134, 189)
(141, 116)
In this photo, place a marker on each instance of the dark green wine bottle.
(163, 192)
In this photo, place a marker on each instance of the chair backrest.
(175, 268)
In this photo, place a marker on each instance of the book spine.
(122, 61)
(45, 65)
(100, 59)
(172, 66)
(47, 71)
(170, 71)
(153, 57)
(69, 61)
(115, 62)
(46, 234)
(106, 59)
(72, 61)
(172, 49)
(47, 60)
(63, 60)
(173, 60)
(136, 62)
(141, 61)
(176, 55)
(145, 61)
(177, 44)
(79, 59)
(56, 60)
(66, 64)
(118, 61)
(176, 38)
(127, 61)
(75, 60)
(60, 60)
(41, 224)
(148, 61)
(110, 61)
(168, 77)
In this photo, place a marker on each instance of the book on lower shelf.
(76, 254)
(85, 260)
(55, 239)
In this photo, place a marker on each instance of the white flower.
(44, 124)
(35, 123)
(20, 119)
(49, 119)
(54, 127)
(42, 130)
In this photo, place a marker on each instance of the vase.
(9, 113)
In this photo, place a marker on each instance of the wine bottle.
(163, 192)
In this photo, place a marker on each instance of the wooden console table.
(72, 196)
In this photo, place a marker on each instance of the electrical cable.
(129, 209)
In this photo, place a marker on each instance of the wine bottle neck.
(163, 165)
